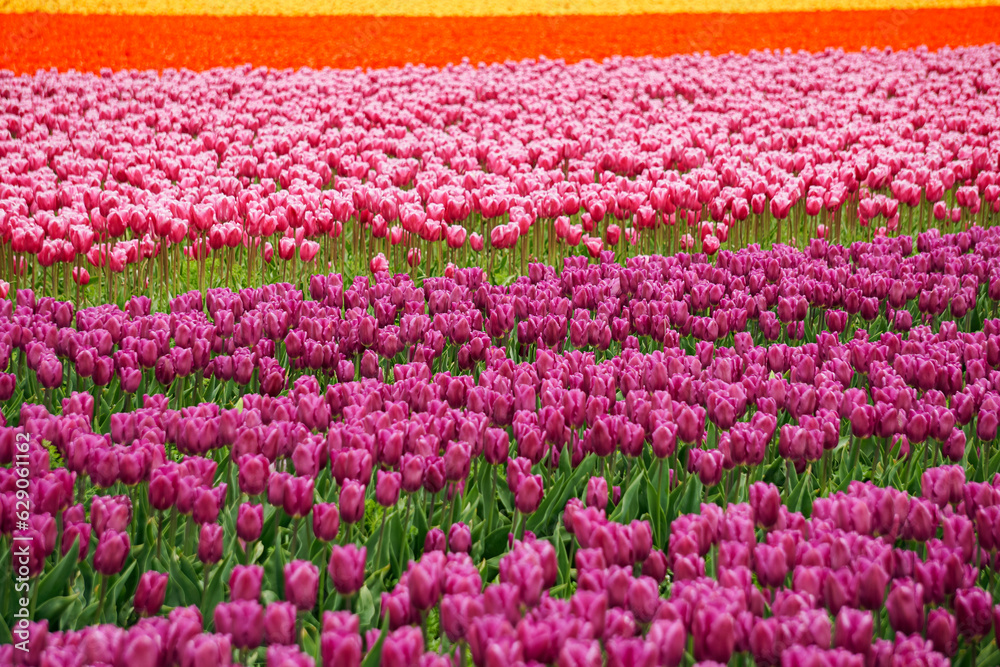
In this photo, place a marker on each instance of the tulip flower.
(325, 521)
(111, 551)
(210, 543)
(279, 623)
(352, 501)
(301, 584)
(249, 522)
(245, 582)
(243, 621)
(347, 568)
(150, 592)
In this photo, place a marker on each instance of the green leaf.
(181, 586)
(118, 588)
(56, 580)
(628, 508)
(657, 514)
(188, 568)
(365, 607)
(88, 617)
(489, 495)
(801, 498)
(275, 572)
(541, 521)
(393, 537)
(562, 558)
(54, 608)
(690, 502)
(216, 592)
(496, 542)
(420, 523)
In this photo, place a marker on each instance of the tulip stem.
(188, 536)
(295, 534)
(204, 590)
(406, 521)
(172, 534)
(101, 596)
(323, 574)
(381, 534)
(824, 471)
(491, 508)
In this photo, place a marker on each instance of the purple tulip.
(631, 652)
(340, 648)
(347, 568)
(854, 630)
(249, 522)
(243, 621)
(150, 592)
(387, 488)
(301, 584)
(942, 630)
(297, 497)
(254, 472)
(207, 649)
(279, 623)
(352, 501)
(972, 613)
(906, 607)
(459, 538)
(210, 543)
(111, 551)
(713, 630)
(245, 582)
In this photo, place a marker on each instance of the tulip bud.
(279, 623)
(243, 621)
(529, 494)
(254, 472)
(972, 613)
(714, 634)
(210, 543)
(423, 585)
(112, 550)
(352, 501)
(906, 607)
(434, 540)
(150, 592)
(245, 582)
(387, 487)
(671, 638)
(297, 497)
(249, 522)
(347, 568)
(765, 503)
(643, 598)
(326, 521)
(597, 492)
(459, 538)
(301, 584)
(854, 630)
(942, 631)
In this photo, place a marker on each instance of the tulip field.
(637, 362)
